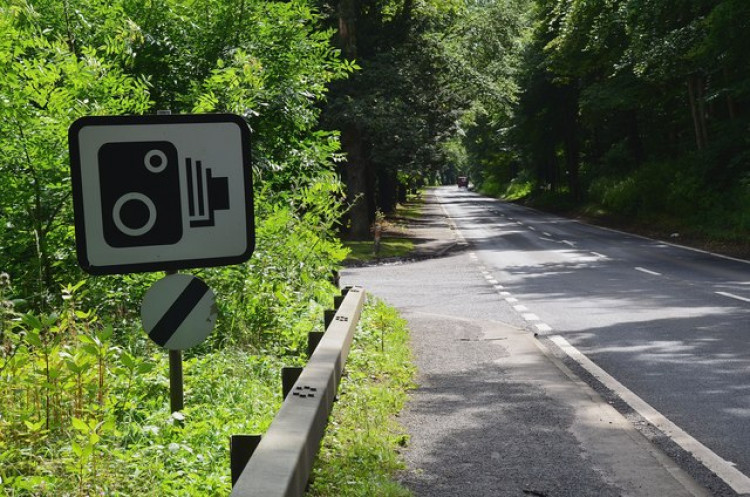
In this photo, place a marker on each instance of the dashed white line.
(733, 296)
(505, 294)
(597, 254)
(499, 287)
(532, 228)
(647, 271)
(492, 281)
(530, 317)
(520, 308)
(546, 234)
(542, 327)
(720, 466)
(567, 242)
(511, 300)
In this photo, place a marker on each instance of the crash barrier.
(279, 463)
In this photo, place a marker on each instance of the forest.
(638, 109)
(632, 109)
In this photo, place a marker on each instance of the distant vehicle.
(463, 182)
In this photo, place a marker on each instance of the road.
(670, 324)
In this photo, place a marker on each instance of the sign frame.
(87, 237)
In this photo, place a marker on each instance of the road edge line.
(733, 477)
(627, 233)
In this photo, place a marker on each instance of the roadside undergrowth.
(360, 453)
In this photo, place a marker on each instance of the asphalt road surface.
(671, 324)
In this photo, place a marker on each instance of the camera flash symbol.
(206, 194)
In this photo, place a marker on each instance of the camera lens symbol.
(129, 214)
(155, 161)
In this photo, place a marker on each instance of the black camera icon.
(140, 193)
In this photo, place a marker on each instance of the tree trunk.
(348, 27)
(356, 173)
(387, 194)
(355, 176)
(695, 95)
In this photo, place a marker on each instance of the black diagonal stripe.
(178, 311)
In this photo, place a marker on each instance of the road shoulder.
(515, 421)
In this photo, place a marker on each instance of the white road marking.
(530, 317)
(532, 228)
(505, 294)
(647, 271)
(546, 234)
(566, 242)
(492, 281)
(511, 300)
(544, 328)
(520, 308)
(499, 287)
(733, 296)
(738, 481)
(597, 254)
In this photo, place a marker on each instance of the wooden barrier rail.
(281, 463)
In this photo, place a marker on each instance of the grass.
(143, 449)
(359, 455)
(389, 247)
(394, 242)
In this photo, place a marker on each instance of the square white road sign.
(154, 193)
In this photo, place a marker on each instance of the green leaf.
(34, 427)
(32, 321)
(93, 438)
(33, 338)
(127, 360)
(80, 425)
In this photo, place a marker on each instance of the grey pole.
(176, 392)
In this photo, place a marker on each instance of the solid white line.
(724, 469)
(692, 249)
(647, 271)
(733, 296)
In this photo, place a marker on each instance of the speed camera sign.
(161, 192)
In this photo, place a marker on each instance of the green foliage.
(638, 105)
(44, 86)
(359, 453)
(83, 392)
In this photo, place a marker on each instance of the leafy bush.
(83, 392)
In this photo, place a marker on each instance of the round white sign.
(179, 311)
